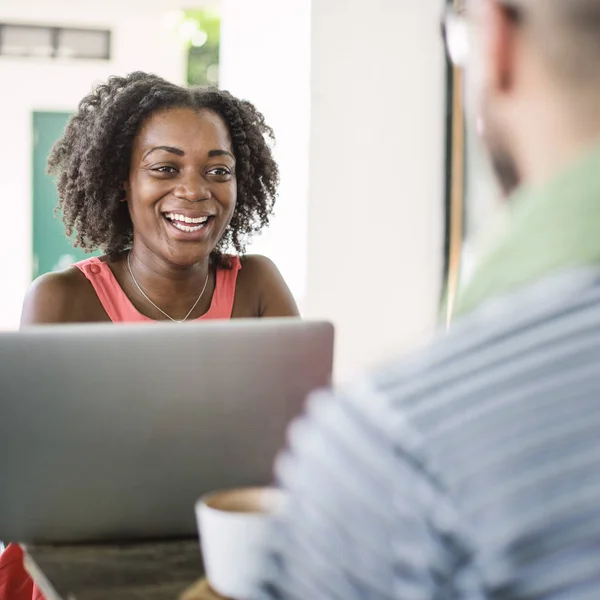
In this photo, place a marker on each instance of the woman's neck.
(173, 288)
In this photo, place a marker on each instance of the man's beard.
(492, 135)
(505, 169)
(502, 159)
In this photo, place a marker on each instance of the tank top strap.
(115, 302)
(224, 294)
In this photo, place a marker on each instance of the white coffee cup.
(234, 526)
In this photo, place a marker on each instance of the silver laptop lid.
(111, 432)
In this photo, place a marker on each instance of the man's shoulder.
(504, 350)
(450, 404)
(478, 346)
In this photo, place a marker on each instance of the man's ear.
(500, 40)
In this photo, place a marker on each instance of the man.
(473, 469)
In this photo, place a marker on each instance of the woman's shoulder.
(58, 285)
(260, 280)
(256, 270)
(256, 263)
(57, 297)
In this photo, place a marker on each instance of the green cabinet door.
(52, 249)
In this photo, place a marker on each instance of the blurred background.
(364, 110)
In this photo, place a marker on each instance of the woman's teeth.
(187, 227)
(179, 220)
(184, 219)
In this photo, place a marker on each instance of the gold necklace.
(139, 287)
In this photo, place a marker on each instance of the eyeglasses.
(455, 30)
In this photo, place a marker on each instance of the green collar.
(552, 228)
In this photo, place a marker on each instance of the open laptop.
(112, 432)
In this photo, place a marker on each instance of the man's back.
(470, 471)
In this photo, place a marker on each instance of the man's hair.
(92, 160)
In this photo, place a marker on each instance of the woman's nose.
(193, 188)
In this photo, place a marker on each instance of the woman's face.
(182, 185)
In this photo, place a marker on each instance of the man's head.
(532, 70)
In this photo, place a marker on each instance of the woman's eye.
(220, 172)
(164, 169)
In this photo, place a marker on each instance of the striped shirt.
(471, 470)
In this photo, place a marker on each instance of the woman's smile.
(188, 224)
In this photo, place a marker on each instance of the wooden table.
(148, 571)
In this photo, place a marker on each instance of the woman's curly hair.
(91, 160)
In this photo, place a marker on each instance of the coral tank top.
(120, 309)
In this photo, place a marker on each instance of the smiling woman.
(166, 181)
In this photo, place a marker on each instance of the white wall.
(375, 220)
(265, 58)
(362, 245)
(141, 41)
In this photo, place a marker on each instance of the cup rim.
(204, 501)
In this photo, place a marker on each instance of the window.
(200, 32)
(31, 41)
